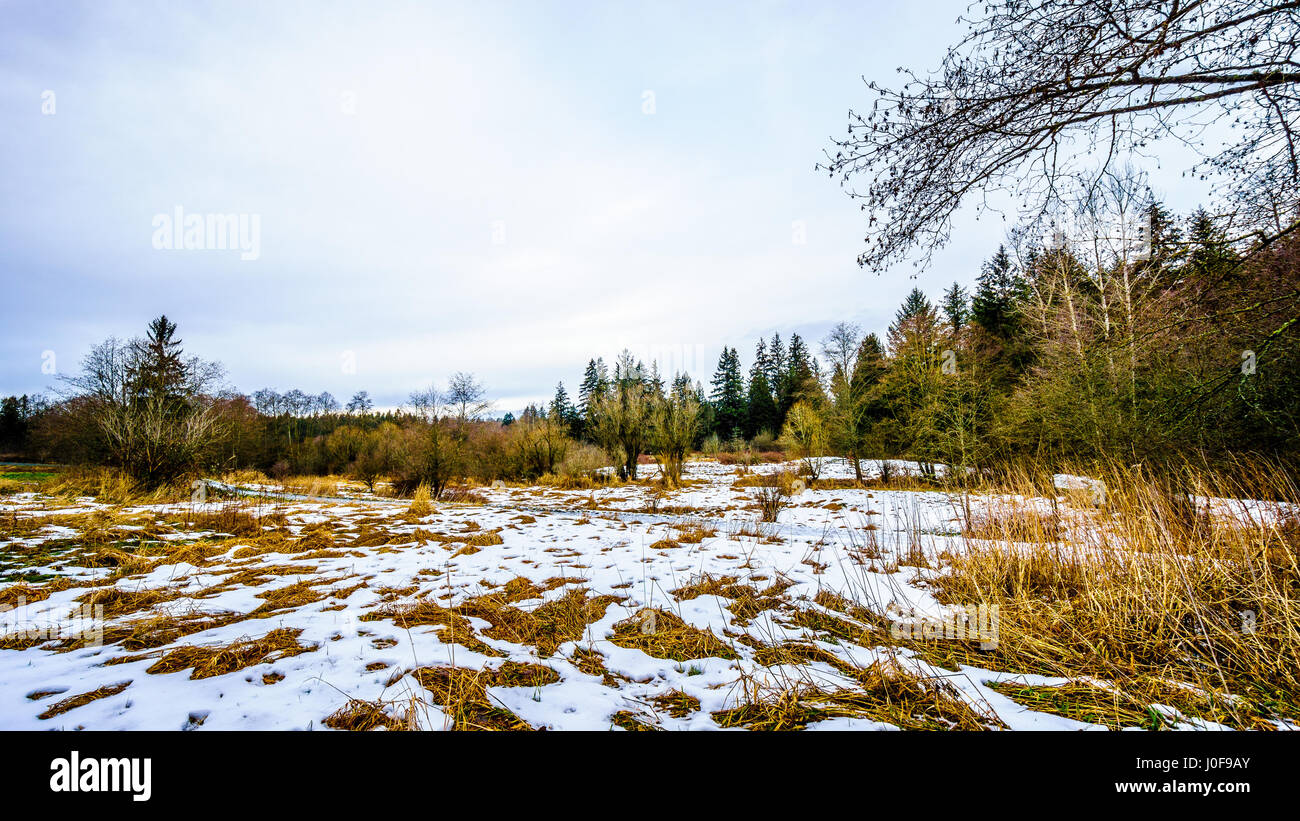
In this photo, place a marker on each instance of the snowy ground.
(350, 567)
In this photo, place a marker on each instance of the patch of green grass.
(27, 476)
(1082, 702)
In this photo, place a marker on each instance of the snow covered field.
(558, 609)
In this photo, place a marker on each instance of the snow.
(602, 536)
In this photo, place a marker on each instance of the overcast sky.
(503, 188)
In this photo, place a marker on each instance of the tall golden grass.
(1168, 599)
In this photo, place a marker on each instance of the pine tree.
(561, 409)
(776, 367)
(158, 370)
(956, 307)
(998, 294)
(682, 386)
(800, 381)
(594, 384)
(914, 304)
(762, 362)
(1161, 238)
(760, 407)
(655, 381)
(628, 371)
(728, 396)
(1211, 257)
(857, 408)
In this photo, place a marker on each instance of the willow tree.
(674, 420)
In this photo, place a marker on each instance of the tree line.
(1145, 337)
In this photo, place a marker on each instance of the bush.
(775, 496)
(583, 460)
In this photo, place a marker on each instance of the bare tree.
(840, 347)
(1037, 89)
(426, 403)
(360, 403)
(466, 397)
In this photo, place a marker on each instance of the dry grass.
(457, 628)
(664, 635)
(313, 485)
(631, 722)
(421, 505)
(105, 485)
(676, 703)
(61, 707)
(22, 593)
(1153, 591)
(118, 601)
(883, 692)
(217, 661)
(545, 627)
(358, 715)
(234, 519)
(694, 532)
(1015, 525)
(775, 492)
(462, 695)
(1083, 702)
(747, 600)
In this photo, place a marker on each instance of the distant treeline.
(1183, 349)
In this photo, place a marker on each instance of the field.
(882, 605)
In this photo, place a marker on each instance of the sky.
(504, 188)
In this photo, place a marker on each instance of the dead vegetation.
(883, 692)
(747, 601)
(1153, 590)
(204, 662)
(665, 635)
(461, 694)
(61, 707)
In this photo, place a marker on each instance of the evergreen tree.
(682, 386)
(14, 416)
(1161, 238)
(776, 368)
(761, 413)
(857, 409)
(728, 396)
(655, 381)
(998, 294)
(956, 307)
(561, 409)
(800, 381)
(760, 407)
(158, 372)
(762, 363)
(595, 381)
(914, 304)
(1211, 258)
